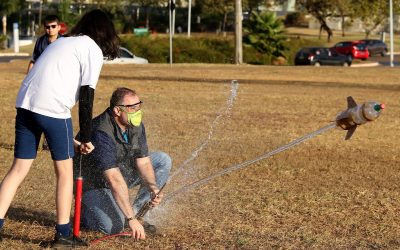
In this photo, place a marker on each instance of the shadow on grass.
(31, 216)
(27, 240)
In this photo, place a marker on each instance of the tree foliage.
(373, 12)
(10, 6)
(265, 33)
(321, 10)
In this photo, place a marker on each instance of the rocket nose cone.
(378, 107)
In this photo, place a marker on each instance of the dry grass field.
(326, 193)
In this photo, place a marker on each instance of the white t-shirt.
(51, 87)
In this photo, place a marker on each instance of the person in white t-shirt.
(66, 72)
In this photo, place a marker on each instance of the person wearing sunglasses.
(120, 162)
(52, 28)
(66, 72)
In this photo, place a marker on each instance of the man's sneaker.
(62, 242)
(149, 228)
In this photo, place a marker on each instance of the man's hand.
(156, 197)
(137, 230)
(86, 148)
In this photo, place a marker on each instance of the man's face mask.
(135, 118)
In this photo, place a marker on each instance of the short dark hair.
(100, 28)
(51, 18)
(119, 94)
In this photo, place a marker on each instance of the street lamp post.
(391, 33)
(171, 11)
(189, 16)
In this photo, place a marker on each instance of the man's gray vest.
(127, 152)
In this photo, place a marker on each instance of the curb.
(14, 54)
(394, 53)
(374, 64)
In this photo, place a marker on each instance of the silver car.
(127, 57)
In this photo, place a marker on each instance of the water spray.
(195, 153)
(147, 206)
(249, 162)
(348, 119)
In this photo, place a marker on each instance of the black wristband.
(130, 218)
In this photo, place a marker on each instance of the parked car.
(354, 49)
(127, 57)
(318, 56)
(375, 47)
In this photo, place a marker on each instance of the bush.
(195, 50)
(203, 50)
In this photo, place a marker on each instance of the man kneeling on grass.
(119, 162)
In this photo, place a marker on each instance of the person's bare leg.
(64, 190)
(17, 173)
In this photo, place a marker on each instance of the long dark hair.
(100, 28)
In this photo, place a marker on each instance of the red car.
(353, 49)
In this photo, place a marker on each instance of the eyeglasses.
(135, 106)
(53, 26)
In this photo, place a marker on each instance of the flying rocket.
(358, 114)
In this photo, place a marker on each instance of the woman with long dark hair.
(67, 71)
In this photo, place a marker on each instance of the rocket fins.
(350, 132)
(350, 102)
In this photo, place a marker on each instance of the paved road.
(385, 61)
(9, 58)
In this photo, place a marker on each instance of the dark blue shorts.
(29, 127)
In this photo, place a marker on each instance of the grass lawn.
(326, 193)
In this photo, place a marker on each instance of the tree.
(252, 5)
(265, 33)
(8, 7)
(373, 12)
(217, 8)
(147, 4)
(321, 10)
(345, 9)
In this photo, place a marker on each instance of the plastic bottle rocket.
(358, 114)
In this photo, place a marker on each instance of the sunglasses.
(130, 105)
(53, 26)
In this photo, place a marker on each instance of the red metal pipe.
(78, 202)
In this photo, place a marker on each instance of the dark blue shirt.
(104, 156)
(40, 45)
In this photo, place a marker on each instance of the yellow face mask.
(135, 118)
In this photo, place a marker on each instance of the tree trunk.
(224, 22)
(367, 32)
(325, 27)
(320, 32)
(148, 17)
(343, 35)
